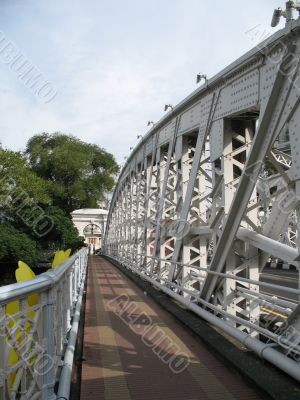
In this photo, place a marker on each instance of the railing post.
(50, 361)
(4, 354)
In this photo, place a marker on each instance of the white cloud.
(117, 63)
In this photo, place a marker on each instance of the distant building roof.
(90, 211)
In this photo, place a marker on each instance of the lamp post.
(92, 238)
(168, 106)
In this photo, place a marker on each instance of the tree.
(22, 192)
(17, 180)
(80, 173)
(24, 207)
(16, 245)
(63, 233)
(56, 174)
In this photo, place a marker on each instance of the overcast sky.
(116, 63)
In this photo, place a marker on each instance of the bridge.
(205, 204)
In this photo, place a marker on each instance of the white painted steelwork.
(33, 341)
(211, 194)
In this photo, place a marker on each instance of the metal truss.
(211, 195)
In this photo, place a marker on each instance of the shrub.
(16, 245)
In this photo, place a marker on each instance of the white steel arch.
(211, 194)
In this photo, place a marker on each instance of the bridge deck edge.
(267, 379)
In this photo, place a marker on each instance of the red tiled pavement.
(131, 348)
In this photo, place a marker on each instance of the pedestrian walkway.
(135, 350)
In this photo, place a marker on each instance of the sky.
(111, 66)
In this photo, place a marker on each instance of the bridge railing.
(279, 343)
(36, 320)
(212, 191)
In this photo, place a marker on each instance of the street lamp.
(200, 77)
(168, 106)
(289, 14)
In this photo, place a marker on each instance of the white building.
(91, 223)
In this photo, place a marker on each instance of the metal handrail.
(266, 351)
(230, 276)
(39, 331)
(42, 282)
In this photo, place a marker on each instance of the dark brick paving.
(130, 345)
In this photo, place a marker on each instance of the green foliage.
(22, 195)
(269, 168)
(56, 175)
(18, 179)
(15, 245)
(63, 235)
(79, 173)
